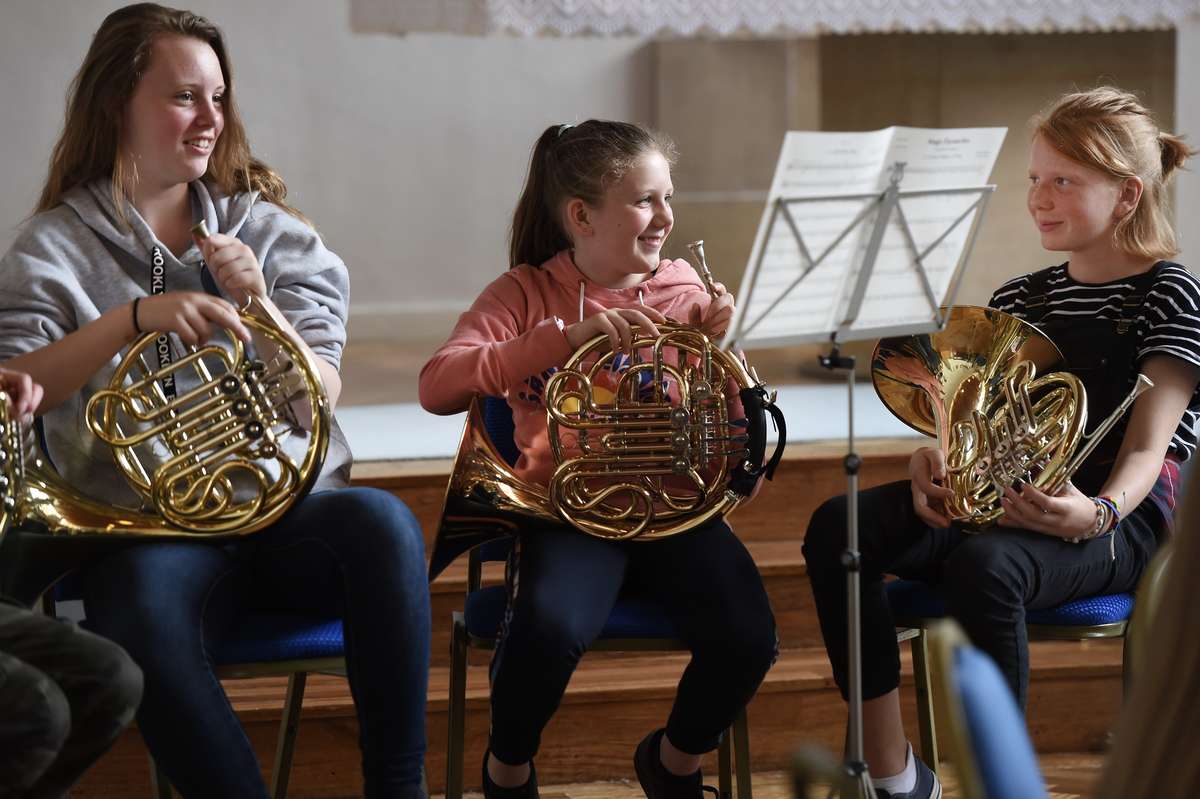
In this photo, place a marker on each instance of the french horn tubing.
(644, 444)
(991, 389)
(207, 462)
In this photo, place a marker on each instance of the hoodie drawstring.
(582, 286)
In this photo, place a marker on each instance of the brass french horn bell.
(644, 443)
(207, 462)
(975, 386)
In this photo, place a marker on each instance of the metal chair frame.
(733, 756)
(916, 630)
(297, 672)
(944, 636)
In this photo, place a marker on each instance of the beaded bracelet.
(1114, 506)
(1105, 521)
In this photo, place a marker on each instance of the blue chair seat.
(275, 637)
(913, 599)
(631, 617)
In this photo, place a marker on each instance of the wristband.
(136, 327)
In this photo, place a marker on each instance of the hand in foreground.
(714, 320)
(233, 265)
(189, 315)
(24, 395)
(927, 472)
(616, 323)
(1068, 514)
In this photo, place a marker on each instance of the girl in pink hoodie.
(584, 261)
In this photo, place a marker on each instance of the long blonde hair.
(90, 145)
(1153, 753)
(1108, 130)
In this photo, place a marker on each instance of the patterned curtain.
(740, 18)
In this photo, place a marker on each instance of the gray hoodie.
(72, 263)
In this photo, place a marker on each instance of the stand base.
(860, 781)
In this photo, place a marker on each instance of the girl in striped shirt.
(1098, 171)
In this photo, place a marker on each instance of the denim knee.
(377, 523)
(150, 599)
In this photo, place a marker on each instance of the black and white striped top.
(1169, 321)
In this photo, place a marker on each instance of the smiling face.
(175, 115)
(619, 242)
(1074, 207)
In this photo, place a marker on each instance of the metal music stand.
(884, 206)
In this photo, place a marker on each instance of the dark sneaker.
(927, 786)
(493, 791)
(656, 781)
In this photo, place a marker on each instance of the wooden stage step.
(611, 703)
(807, 476)
(780, 563)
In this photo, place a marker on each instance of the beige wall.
(409, 151)
(968, 81)
(1187, 118)
(728, 104)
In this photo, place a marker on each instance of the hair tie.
(563, 128)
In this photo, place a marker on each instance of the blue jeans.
(355, 553)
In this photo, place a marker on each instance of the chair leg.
(160, 786)
(289, 725)
(457, 711)
(741, 755)
(725, 766)
(921, 680)
(1127, 645)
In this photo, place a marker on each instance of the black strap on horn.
(757, 406)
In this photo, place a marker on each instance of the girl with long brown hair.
(152, 144)
(586, 260)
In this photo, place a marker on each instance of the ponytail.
(536, 234)
(1110, 131)
(1175, 153)
(573, 161)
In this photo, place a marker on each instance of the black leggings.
(988, 580)
(562, 585)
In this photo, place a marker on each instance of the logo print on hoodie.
(603, 386)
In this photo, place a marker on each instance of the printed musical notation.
(822, 208)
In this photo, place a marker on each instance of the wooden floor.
(1068, 776)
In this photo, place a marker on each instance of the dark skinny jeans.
(563, 584)
(355, 553)
(989, 580)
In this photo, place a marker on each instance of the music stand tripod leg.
(855, 765)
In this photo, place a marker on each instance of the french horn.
(990, 388)
(208, 463)
(644, 444)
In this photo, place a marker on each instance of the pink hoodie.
(508, 343)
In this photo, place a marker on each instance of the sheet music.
(785, 299)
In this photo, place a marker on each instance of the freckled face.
(633, 220)
(1073, 206)
(175, 115)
